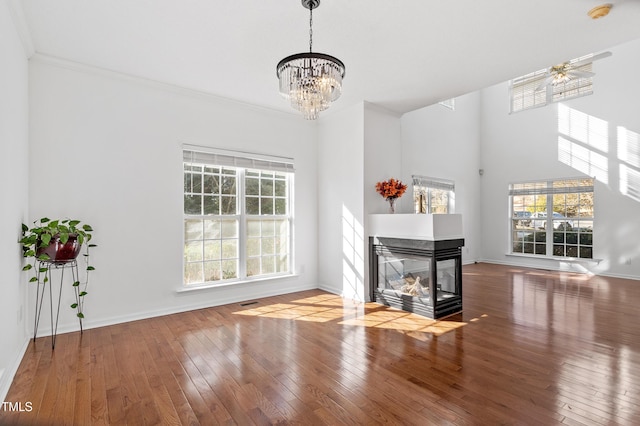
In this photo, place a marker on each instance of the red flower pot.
(59, 252)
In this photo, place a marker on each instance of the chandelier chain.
(310, 29)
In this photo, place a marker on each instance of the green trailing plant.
(37, 238)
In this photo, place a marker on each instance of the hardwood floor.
(531, 347)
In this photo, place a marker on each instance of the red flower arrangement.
(391, 189)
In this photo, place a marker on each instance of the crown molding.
(107, 73)
(22, 28)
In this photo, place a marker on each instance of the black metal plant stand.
(45, 267)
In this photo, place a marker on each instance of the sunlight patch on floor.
(325, 308)
(405, 322)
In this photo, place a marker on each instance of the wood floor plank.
(531, 347)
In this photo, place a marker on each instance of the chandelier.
(311, 81)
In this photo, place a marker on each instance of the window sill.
(556, 258)
(208, 286)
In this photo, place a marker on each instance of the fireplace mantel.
(416, 226)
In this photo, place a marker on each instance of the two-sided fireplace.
(420, 276)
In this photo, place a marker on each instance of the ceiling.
(401, 55)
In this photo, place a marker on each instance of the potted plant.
(54, 244)
(390, 191)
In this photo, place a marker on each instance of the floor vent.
(248, 303)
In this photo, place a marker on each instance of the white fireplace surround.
(416, 226)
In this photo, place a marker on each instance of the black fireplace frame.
(436, 250)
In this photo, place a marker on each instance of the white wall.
(106, 149)
(382, 161)
(443, 143)
(341, 203)
(13, 195)
(525, 146)
(356, 148)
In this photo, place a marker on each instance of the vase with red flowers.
(391, 190)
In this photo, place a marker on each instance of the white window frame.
(449, 103)
(242, 163)
(525, 92)
(533, 236)
(424, 189)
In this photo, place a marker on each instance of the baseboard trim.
(87, 325)
(9, 373)
(549, 267)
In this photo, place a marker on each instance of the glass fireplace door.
(420, 276)
(405, 275)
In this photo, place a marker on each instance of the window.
(449, 103)
(432, 195)
(531, 90)
(553, 218)
(237, 216)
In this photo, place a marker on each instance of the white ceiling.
(402, 54)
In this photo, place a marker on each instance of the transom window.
(433, 195)
(449, 103)
(553, 218)
(535, 89)
(237, 217)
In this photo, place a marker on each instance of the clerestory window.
(539, 88)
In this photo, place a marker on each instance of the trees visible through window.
(553, 218)
(432, 195)
(237, 217)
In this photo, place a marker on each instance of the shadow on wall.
(585, 144)
(594, 147)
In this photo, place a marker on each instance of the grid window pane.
(229, 269)
(266, 206)
(253, 228)
(192, 230)
(229, 228)
(212, 250)
(266, 187)
(559, 214)
(211, 229)
(212, 271)
(192, 204)
(282, 264)
(433, 200)
(253, 266)
(252, 186)
(268, 238)
(253, 205)
(219, 237)
(193, 251)
(253, 247)
(280, 187)
(211, 204)
(281, 206)
(228, 205)
(193, 273)
(268, 265)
